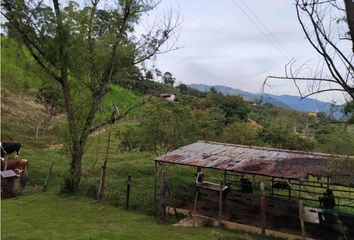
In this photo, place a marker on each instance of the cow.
(20, 166)
(10, 147)
(246, 185)
(282, 185)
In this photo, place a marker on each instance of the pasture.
(49, 216)
(53, 216)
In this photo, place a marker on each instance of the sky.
(219, 45)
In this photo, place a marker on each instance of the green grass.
(18, 68)
(47, 216)
(51, 216)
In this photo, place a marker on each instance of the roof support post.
(225, 176)
(263, 209)
(155, 187)
(220, 202)
(299, 189)
(272, 186)
(195, 205)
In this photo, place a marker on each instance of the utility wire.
(274, 43)
(267, 30)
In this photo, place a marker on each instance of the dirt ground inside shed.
(281, 214)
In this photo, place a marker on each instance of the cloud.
(222, 47)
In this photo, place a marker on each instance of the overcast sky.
(221, 46)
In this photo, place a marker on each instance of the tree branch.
(115, 118)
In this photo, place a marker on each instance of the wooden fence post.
(128, 193)
(101, 186)
(45, 185)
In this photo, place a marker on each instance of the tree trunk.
(349, 6)
(72, 182)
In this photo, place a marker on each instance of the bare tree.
(81, 48)
(329, 28)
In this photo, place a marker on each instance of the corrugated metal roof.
(253, 160)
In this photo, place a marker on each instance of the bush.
(241, 133)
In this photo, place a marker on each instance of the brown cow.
(20, 166)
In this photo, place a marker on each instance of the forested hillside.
(161, 125)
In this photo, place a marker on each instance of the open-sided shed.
(252, 160)
(301, 175)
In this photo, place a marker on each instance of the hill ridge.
(285, 101)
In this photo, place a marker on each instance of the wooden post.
(225, 176)
(299, 189)
(289, 190)
(45, 185)
(155, 189)
(272, 186)
(5, 160)
(301, 217)
(37, 131)
(128, 193)
(327, 182)
(263, 212)
(163, 196)
(195, 205)
(220, 202)
(101, 186)
(171, 199)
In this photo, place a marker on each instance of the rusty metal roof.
(253, 160)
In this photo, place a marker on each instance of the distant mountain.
(284, 101)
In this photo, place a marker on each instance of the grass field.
(47, 216)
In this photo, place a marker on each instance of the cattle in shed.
(282, 185)
(246, 185)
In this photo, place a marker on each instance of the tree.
(209, 123)
(183, 88)
(168, 79)
(149, 76)
(329, 28)
(80, 47)
(51, 98)
(213, 90)
(279, 138)
(164, 126)
(235, 108)
(241, 133)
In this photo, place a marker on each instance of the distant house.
(169, 97)
(312, 114)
